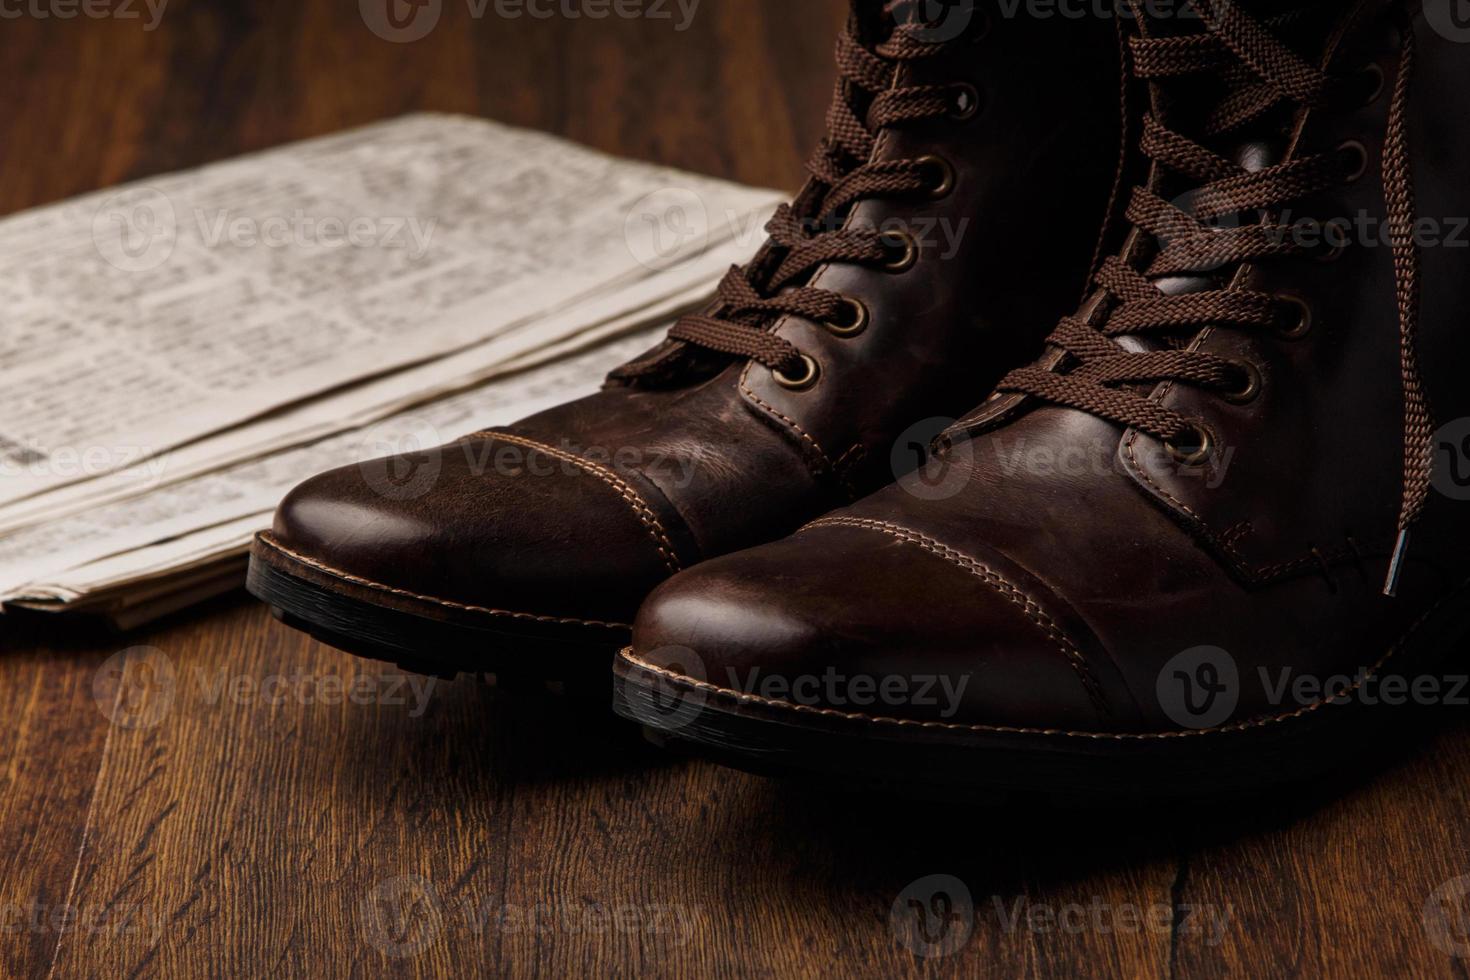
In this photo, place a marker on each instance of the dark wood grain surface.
(220, 796)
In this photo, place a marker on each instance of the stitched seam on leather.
(853, 456)
(270, 542)
(990, 577)
(790, 422)
(641, 510)
(845, 465)
(1237, 532)
(1237, 728)
(1227, 542)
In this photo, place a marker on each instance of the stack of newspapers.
(177, 354)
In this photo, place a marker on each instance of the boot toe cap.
(524, 530)
(876, 623)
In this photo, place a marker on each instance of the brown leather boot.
(946, 216)
(1156, 559)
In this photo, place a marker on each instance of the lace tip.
(1396, 564)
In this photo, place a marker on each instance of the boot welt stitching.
(640, 507)
(1006, 588)
(266, 539)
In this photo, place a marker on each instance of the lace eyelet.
(854, 323)
(1249, 391)
(943, 172)
(801, 382)
(1336, 235)
(1371, 81)
(982, 25)
(1195, 453)
(903, 251)
(964, 101)
(1299, 324)
(1359, 166)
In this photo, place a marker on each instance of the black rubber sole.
(516, 651)
(853, 753)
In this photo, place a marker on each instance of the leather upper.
(1274, 551)
(729, 458)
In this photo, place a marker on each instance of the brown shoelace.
(1261, 74)
(809, 233)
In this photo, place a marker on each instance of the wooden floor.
(276, 808)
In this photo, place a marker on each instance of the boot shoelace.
(1263, 73)
(809, 234)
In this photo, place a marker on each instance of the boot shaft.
(1024, 166)
(1314, 452)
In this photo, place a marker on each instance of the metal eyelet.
(1196, 453)
(854, 323)
(802, 382)
(964, 101)
(982, 26)
(944, 173)
(903, 248)
(1372, 82)
(1360, 166)
(1249, 391)
(1339, 229)
(1300, 323)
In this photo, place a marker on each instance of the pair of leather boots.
(1189, 537)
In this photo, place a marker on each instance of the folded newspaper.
(179, 352)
